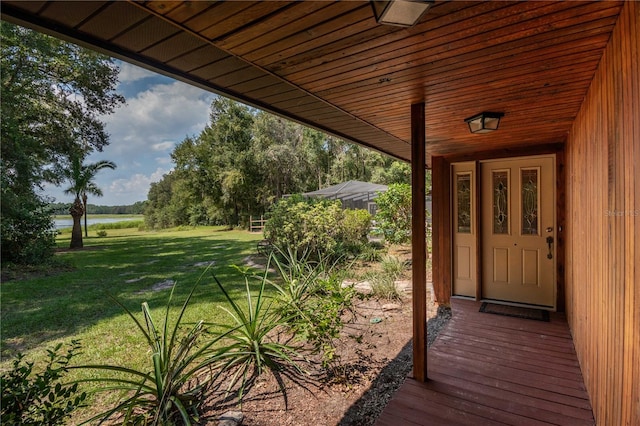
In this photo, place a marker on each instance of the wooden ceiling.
(331, 66)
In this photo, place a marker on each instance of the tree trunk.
(84, 204)
(76, 211)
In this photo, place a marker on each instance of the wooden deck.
(487, 369)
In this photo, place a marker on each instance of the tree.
(244, 161)
(280, 142)
(81, 177)
(394, 213)
(216, 168)
(53, 95)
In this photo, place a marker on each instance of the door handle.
(550, 244)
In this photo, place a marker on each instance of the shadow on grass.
(51, 307)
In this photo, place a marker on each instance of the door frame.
(443, 226)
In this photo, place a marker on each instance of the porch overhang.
(329, 65)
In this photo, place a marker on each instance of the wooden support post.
(441, 221)
(418, 241)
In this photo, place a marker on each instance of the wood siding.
(603, 215)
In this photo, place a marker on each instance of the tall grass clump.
(125, 224)
(393, 266)
(383, 284)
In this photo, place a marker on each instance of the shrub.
(393, 216)
(355, 230)
(316, 226)
(304, 225)
(101, 233)
(41, 398)
(312, 298)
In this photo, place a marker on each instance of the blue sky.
(160, 112)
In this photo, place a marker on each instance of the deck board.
(487, 369)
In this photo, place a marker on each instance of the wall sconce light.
(401, 13)
(484, 122)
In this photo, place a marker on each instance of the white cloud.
(130, 73)
(162, 146)
(129, 189)
(161, 115)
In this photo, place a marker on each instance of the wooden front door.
(519, 230)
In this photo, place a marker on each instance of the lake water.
(68, 223)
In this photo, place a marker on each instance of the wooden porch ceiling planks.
(329, 65)
(489, 369)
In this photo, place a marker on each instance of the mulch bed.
(375, 358)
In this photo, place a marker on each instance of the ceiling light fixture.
(401, 13)
(484, 122)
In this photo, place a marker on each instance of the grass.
(40, 312)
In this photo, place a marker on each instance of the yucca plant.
(252, 344)
(173, 386)
(311, 296)
(298, 275)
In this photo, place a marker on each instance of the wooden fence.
(256, 225)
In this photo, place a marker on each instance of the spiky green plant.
(311, 296)
(172, 388)
(253, 346)
(298, 275)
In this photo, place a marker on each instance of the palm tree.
(81, 177)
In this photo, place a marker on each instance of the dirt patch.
(376, 355)
(162, 285)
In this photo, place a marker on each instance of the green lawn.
(37, 313)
